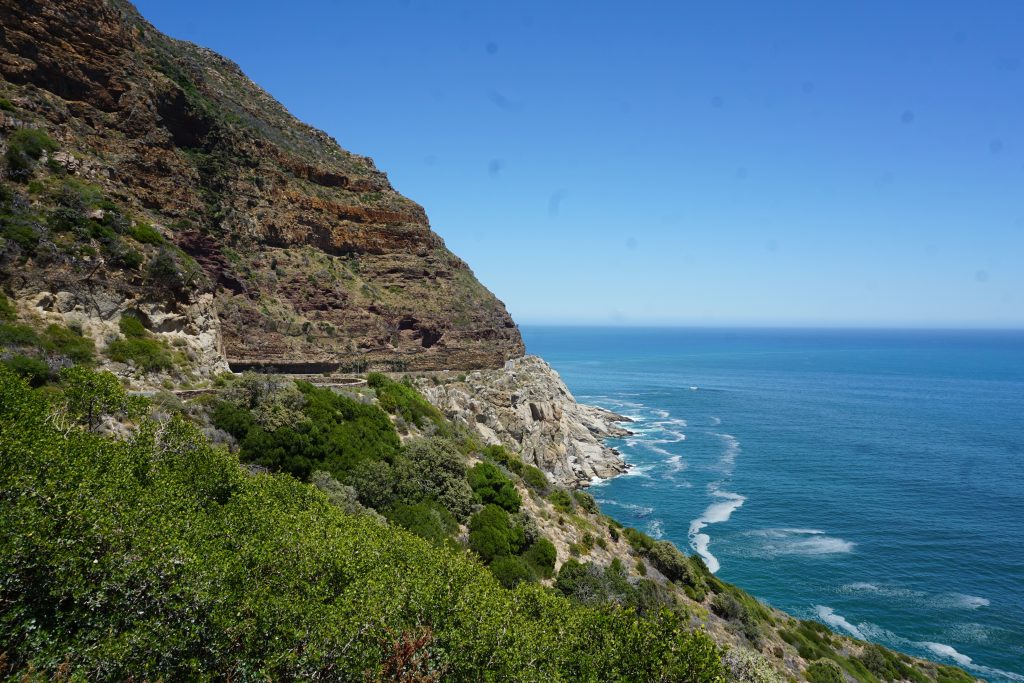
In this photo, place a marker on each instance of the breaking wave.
(785, 541)
(829, 616)
(716, 513)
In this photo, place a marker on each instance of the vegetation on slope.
(157, 556)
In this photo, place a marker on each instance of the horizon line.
(777, 327)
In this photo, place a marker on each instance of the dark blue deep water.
(873, 480)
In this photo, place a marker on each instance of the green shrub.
(492, 534)
(69, 343)
(35, 371)
(491, 486)
(502, 455)
(561, 499)
(825, 671)
(535, 478)
(638, 540)
(6, 104)
(7, 309)
(132, 327)
(401, 399)
(146, 234)
(511, 571)
(671, 562)
(167, 562)
(427, 519)
(541, 556)
(586, 501)
(13, 334)
(148, 355)
(25, 147)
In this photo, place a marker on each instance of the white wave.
(907, 595)
(637, 471)
(638, 510)
(732, 448)
(676, 464)
(948, 651)
(655, 528)
(715, 421)
(658, 412)
(716, 513)
(829, 616)
(785, 541)
(969, 601)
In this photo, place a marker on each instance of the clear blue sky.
(754, 163)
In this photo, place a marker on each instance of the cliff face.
(526, 407)
(310, 258)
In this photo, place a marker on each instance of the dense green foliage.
(159, 558)
(491, 486)
(401, 399)
(492, 533)
(298, 432)
(541, 557)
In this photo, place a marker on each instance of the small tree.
(90, 396)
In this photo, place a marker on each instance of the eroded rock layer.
(311, 256)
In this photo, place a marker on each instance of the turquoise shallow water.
(873, 480)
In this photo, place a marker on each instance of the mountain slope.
(313, 259)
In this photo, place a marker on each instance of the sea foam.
(829, 616)
(788, 541)
(716, 513)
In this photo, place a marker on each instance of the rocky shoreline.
(526, 406)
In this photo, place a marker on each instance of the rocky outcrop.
(526, 406)
(310, 254)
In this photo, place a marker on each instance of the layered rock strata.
(313, 259)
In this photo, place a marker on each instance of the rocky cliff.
(526, 406)
(304, 255)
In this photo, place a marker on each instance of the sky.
(677, 163)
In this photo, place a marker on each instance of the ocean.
(872, 480)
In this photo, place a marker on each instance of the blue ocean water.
(873, 480)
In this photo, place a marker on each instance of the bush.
(825, 671)
(492, 534)
(148, 355)
(146, 234)
(132, 327)
(427, 519)
(502, 455)
(491, 486)
(168, 563)
(535, 478)
(541, 557)
(401, 399)
(69, 343)
(671, 562)
(727, 607)
(25, 147)
(638, 540)
(586, 501)
(512, 571)
(6, 104)
(562, 501)
(12, 334)
(436, 470)
(7, 310)
(35, 371)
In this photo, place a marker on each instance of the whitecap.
(829, 616)
(660, 413)
(676, 464)
(655, 528)
(784, 541)
(969, 601)
(716, 513)
(948, 651)
(715, 421)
